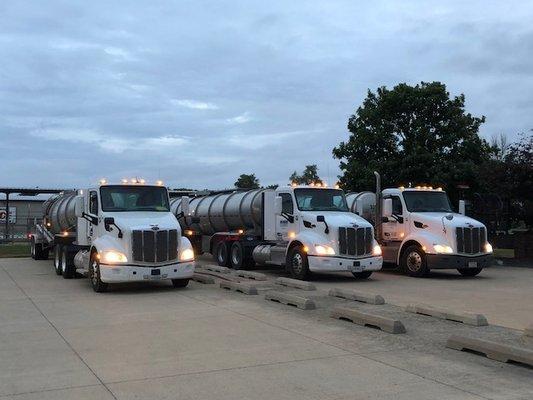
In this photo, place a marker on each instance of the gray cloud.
(197, 92)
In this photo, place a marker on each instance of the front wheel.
(413, 261)
(180, 283)
(298, 264)
(362, 275)
(94, 276)
(470, 271)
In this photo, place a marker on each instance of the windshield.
(134, 198)
(320, 200)
(421, 201)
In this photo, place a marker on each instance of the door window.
(287, 206)
(397, 208)
(93, 203)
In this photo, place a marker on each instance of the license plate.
(472, 264)
(353, 268)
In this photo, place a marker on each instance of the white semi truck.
(305, 229)
(114, 233)
(418, 231)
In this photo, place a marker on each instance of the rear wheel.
(94, 275)
(470, 271)
(362, 275)
(180, 283)
(57, 259)
(222, 254)
(67, 261)
(298, 264)
(237, 255)
(413, 261)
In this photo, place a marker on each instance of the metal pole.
(7, 217)
(378, 207)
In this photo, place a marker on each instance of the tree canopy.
(247, 181)
(309, 175)
(415, 134)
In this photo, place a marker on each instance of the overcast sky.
(197, 92)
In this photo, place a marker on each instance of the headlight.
(187, 255)
(323, 250)
(376, 251)
(113, 257)
(488, 248)
(442, 248)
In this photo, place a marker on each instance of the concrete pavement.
(60, 340)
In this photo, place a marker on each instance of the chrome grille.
(355, 241)
(470, 240)
(155, 246)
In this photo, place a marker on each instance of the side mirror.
(108, 221)
(185, 205)
(462, 207)
(387, 208)
(320, 218)
(278, 205)
(79, 206)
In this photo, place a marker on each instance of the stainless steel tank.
(223, 212)
(363, 204)
(60, 212)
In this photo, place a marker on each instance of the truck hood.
(436, 220)
(144, 220)
(336, 219)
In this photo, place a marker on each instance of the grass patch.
(14, 250)
(504, 253)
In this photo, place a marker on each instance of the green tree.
(310, 175)
(415, 134)
(246, 181)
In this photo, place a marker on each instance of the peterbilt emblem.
(154, 227)
(354, 225)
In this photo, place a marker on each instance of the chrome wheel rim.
(297, 262)
(57, 262)
(414, 261)
(220, 254)
(94, 274)
(235, 256)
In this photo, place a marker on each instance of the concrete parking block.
(366, 319)
(464, 317)
(295, 283)
(251, 275)
(240, 287)
(493, 350)
(529, 331)
(206, 279)
(357, 296)
(216, 268)
(289, 299)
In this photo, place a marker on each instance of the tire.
(94, 276)
(298, 264)
(180, 283)
(413, 261)
(32, 248)
(362, 275)
(222, 254)
(57, 259)
(470, 271)
(69, 270)
(237, 256)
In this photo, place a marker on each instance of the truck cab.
(420, 232)
(319, 233)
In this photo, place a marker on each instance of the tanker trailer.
(301, 228)
(114, 233)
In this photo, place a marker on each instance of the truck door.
(285, 223)
(93, 211)
(393, 230)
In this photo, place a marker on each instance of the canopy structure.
(7, 191)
